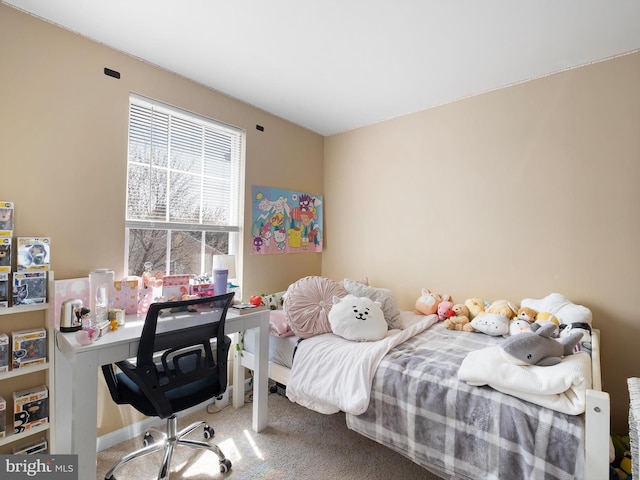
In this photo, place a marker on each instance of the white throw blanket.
(561, 387)
(330, 373)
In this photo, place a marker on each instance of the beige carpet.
(297, 444)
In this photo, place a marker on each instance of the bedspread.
(422, 410)
(330, 374)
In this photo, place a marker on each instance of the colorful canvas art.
(285, 221)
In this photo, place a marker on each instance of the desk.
(77, 370)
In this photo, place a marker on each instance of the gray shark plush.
(538, 348)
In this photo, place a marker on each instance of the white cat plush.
(357, 318)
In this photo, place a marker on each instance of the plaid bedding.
(420, 409)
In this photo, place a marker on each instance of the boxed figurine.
(33, 253)
(3, 417)
(4, 289)
(29, 347)
(4, 352)
(29, 288)
(5, 254)
(32, 448)
(6, 219)
(30, 408)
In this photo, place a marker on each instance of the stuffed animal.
(518, 325)
(566, 311)
(543, 318)
(494, 324)
(475, 306)
(357, 318)
(460, 318)
(428, 301)
(585, 342)
(527, 314)
(503, 307)
(444, 310)
(538, 348)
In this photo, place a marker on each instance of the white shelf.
(14, 437)
(24, 371)
(24, 309)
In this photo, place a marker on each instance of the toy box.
(29, 288)
(175, 286)
(30, 408)
(3, 417)
(4, 289)
(29, 347)
(34, 253)
(6, 219)
(32, 448)
(5, 254)
(202, 289)
(4, 352)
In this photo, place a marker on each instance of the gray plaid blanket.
(420, 409)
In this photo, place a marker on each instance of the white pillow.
(357, 318)
(383, 295)
(493, 324)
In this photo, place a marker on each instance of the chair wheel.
(208, 432)
(225, 465)
(147, 440)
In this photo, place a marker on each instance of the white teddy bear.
(357, 318)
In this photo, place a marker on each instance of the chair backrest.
(180, 333)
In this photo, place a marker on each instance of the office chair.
(175, 369)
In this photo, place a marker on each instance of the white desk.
(77, 370)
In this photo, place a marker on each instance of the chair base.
(168, 442)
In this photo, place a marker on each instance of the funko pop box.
(29, 347)
(4, 352)
(3, 417)
(4, 290)
(30, 408)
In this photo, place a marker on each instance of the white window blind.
(183, 173)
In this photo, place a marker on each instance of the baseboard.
(137, 429)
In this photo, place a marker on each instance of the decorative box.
(126, 294)
(175, 286)
(30, 408)
(202, 289)
(29, 347)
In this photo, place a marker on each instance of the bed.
(417, 405)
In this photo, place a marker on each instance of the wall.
(63, 132)
(515, 193)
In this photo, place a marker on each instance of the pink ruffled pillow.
(308, 302)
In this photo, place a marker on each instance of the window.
(183, 189)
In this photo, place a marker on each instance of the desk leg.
(238, 377)
(260, 379)
(84, 419)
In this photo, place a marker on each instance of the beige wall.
(63, 147)
(515, 193)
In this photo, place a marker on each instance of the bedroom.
(514, 193)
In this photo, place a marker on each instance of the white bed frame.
(597, 414)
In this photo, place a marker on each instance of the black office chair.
(175, 369)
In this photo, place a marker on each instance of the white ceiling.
(335, 65)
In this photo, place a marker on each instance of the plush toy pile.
(552, 317)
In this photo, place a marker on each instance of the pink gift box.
(175, 286)
(126, 294)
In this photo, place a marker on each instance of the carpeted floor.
(298, 443)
